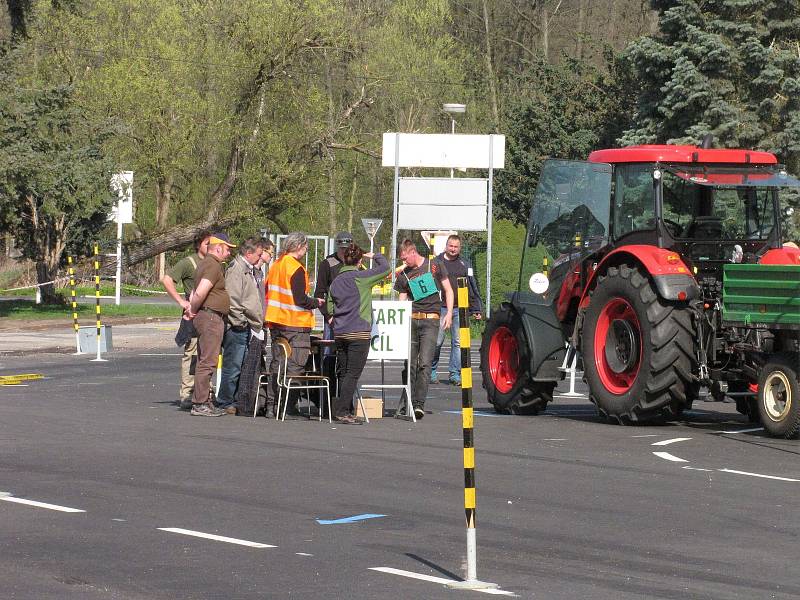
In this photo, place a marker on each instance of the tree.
(54, 177)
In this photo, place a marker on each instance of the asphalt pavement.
(174, 506)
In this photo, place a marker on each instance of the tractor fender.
(787, 255)
(672, 278)
(546, 341)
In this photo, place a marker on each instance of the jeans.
(351, 356)
(210, 329)
(423, 344)
(455, 348)
(234, 345)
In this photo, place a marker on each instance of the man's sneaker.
(455, 381)
(419, 413)
(230, 410)
(434, 378)
(206, 410)
(186, 404)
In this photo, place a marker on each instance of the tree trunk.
(163, 201)
(330, 169)
(490, 68)
(581, 29)
(352, 201)
(45, 274)
(545, 31)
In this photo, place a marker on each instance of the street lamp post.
(453, 109)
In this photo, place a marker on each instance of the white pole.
(371, 247)
(394, 213)
(489, 232)
(119, 254)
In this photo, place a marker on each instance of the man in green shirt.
(183, 272)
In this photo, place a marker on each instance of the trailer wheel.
(638, 350)
(779, 397)
(505, 365)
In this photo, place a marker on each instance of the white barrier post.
(97, 300)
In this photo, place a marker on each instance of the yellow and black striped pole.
(71, 271)
(97, 299)
(467, 418)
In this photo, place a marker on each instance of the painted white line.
(432, 579)
(565, 396)
(644, 436)
(303, 554)
(41, 504)
(698, 469)
(668, 456)
(216, 538)
(554, 440)
(668, 442)
(757, 475)
(742, 430)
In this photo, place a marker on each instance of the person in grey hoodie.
(349, 302)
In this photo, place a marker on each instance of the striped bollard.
(75, 325)
(219, 375)
(97, 300)
(467, 418)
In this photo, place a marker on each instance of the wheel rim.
(503, 359)
(777, 397)
(618, 346)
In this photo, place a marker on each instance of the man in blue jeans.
(457, 267)
(246, 318)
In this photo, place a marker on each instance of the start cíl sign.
(391, 330)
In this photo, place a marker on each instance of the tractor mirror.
(533, 236)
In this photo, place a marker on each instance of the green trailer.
(755, 295)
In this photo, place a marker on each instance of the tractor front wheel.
(505, 366)
(779, 397)
(638, 349)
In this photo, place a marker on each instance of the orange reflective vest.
(281, 309)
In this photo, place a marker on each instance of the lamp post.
(453, 109)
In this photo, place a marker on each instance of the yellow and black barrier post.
(71, 271)
(467, 420)
(97, 300)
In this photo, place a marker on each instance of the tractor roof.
(682, 154)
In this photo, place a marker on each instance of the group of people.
(229, 310)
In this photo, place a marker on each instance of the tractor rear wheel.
(638, 350)
(779, 397)
(505, 366)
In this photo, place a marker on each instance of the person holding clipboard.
(424, 282)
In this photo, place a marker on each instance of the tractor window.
(693, 211)
(570, 214)
(634, 204)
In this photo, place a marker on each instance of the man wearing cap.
(208, 308)
(327, 271)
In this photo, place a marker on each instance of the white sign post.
(391, 340)
(432, 203)
(122, 183)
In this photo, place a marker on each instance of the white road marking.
(216, 538)
(668, 442)
(668, 456)
(757, 475)
(698, 469)
(41, 504)
(565, 396)
(303, 554)
(644, 436)
(742, 430)
(554, 440)
(432, 579)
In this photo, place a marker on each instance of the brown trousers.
(210, 330)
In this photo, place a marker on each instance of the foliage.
(508, 238)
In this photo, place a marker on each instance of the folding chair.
(288, 383)
(262, 379)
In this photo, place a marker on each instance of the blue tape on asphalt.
(477, 413)
(352, 519)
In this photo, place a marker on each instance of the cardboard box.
(373, 406)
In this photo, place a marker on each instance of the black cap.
(343, 238)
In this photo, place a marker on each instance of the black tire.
(506, 378)
(779, 397)
(648, 372)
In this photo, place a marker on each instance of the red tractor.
(666, 269)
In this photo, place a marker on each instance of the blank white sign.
(122, 183)
(438, 202)
(452, 151)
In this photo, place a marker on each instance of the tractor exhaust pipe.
(708, 141)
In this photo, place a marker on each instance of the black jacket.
(464, 265)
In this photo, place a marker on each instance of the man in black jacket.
(457, 266)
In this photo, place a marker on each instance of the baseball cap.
(343, 238)
(221, 238)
